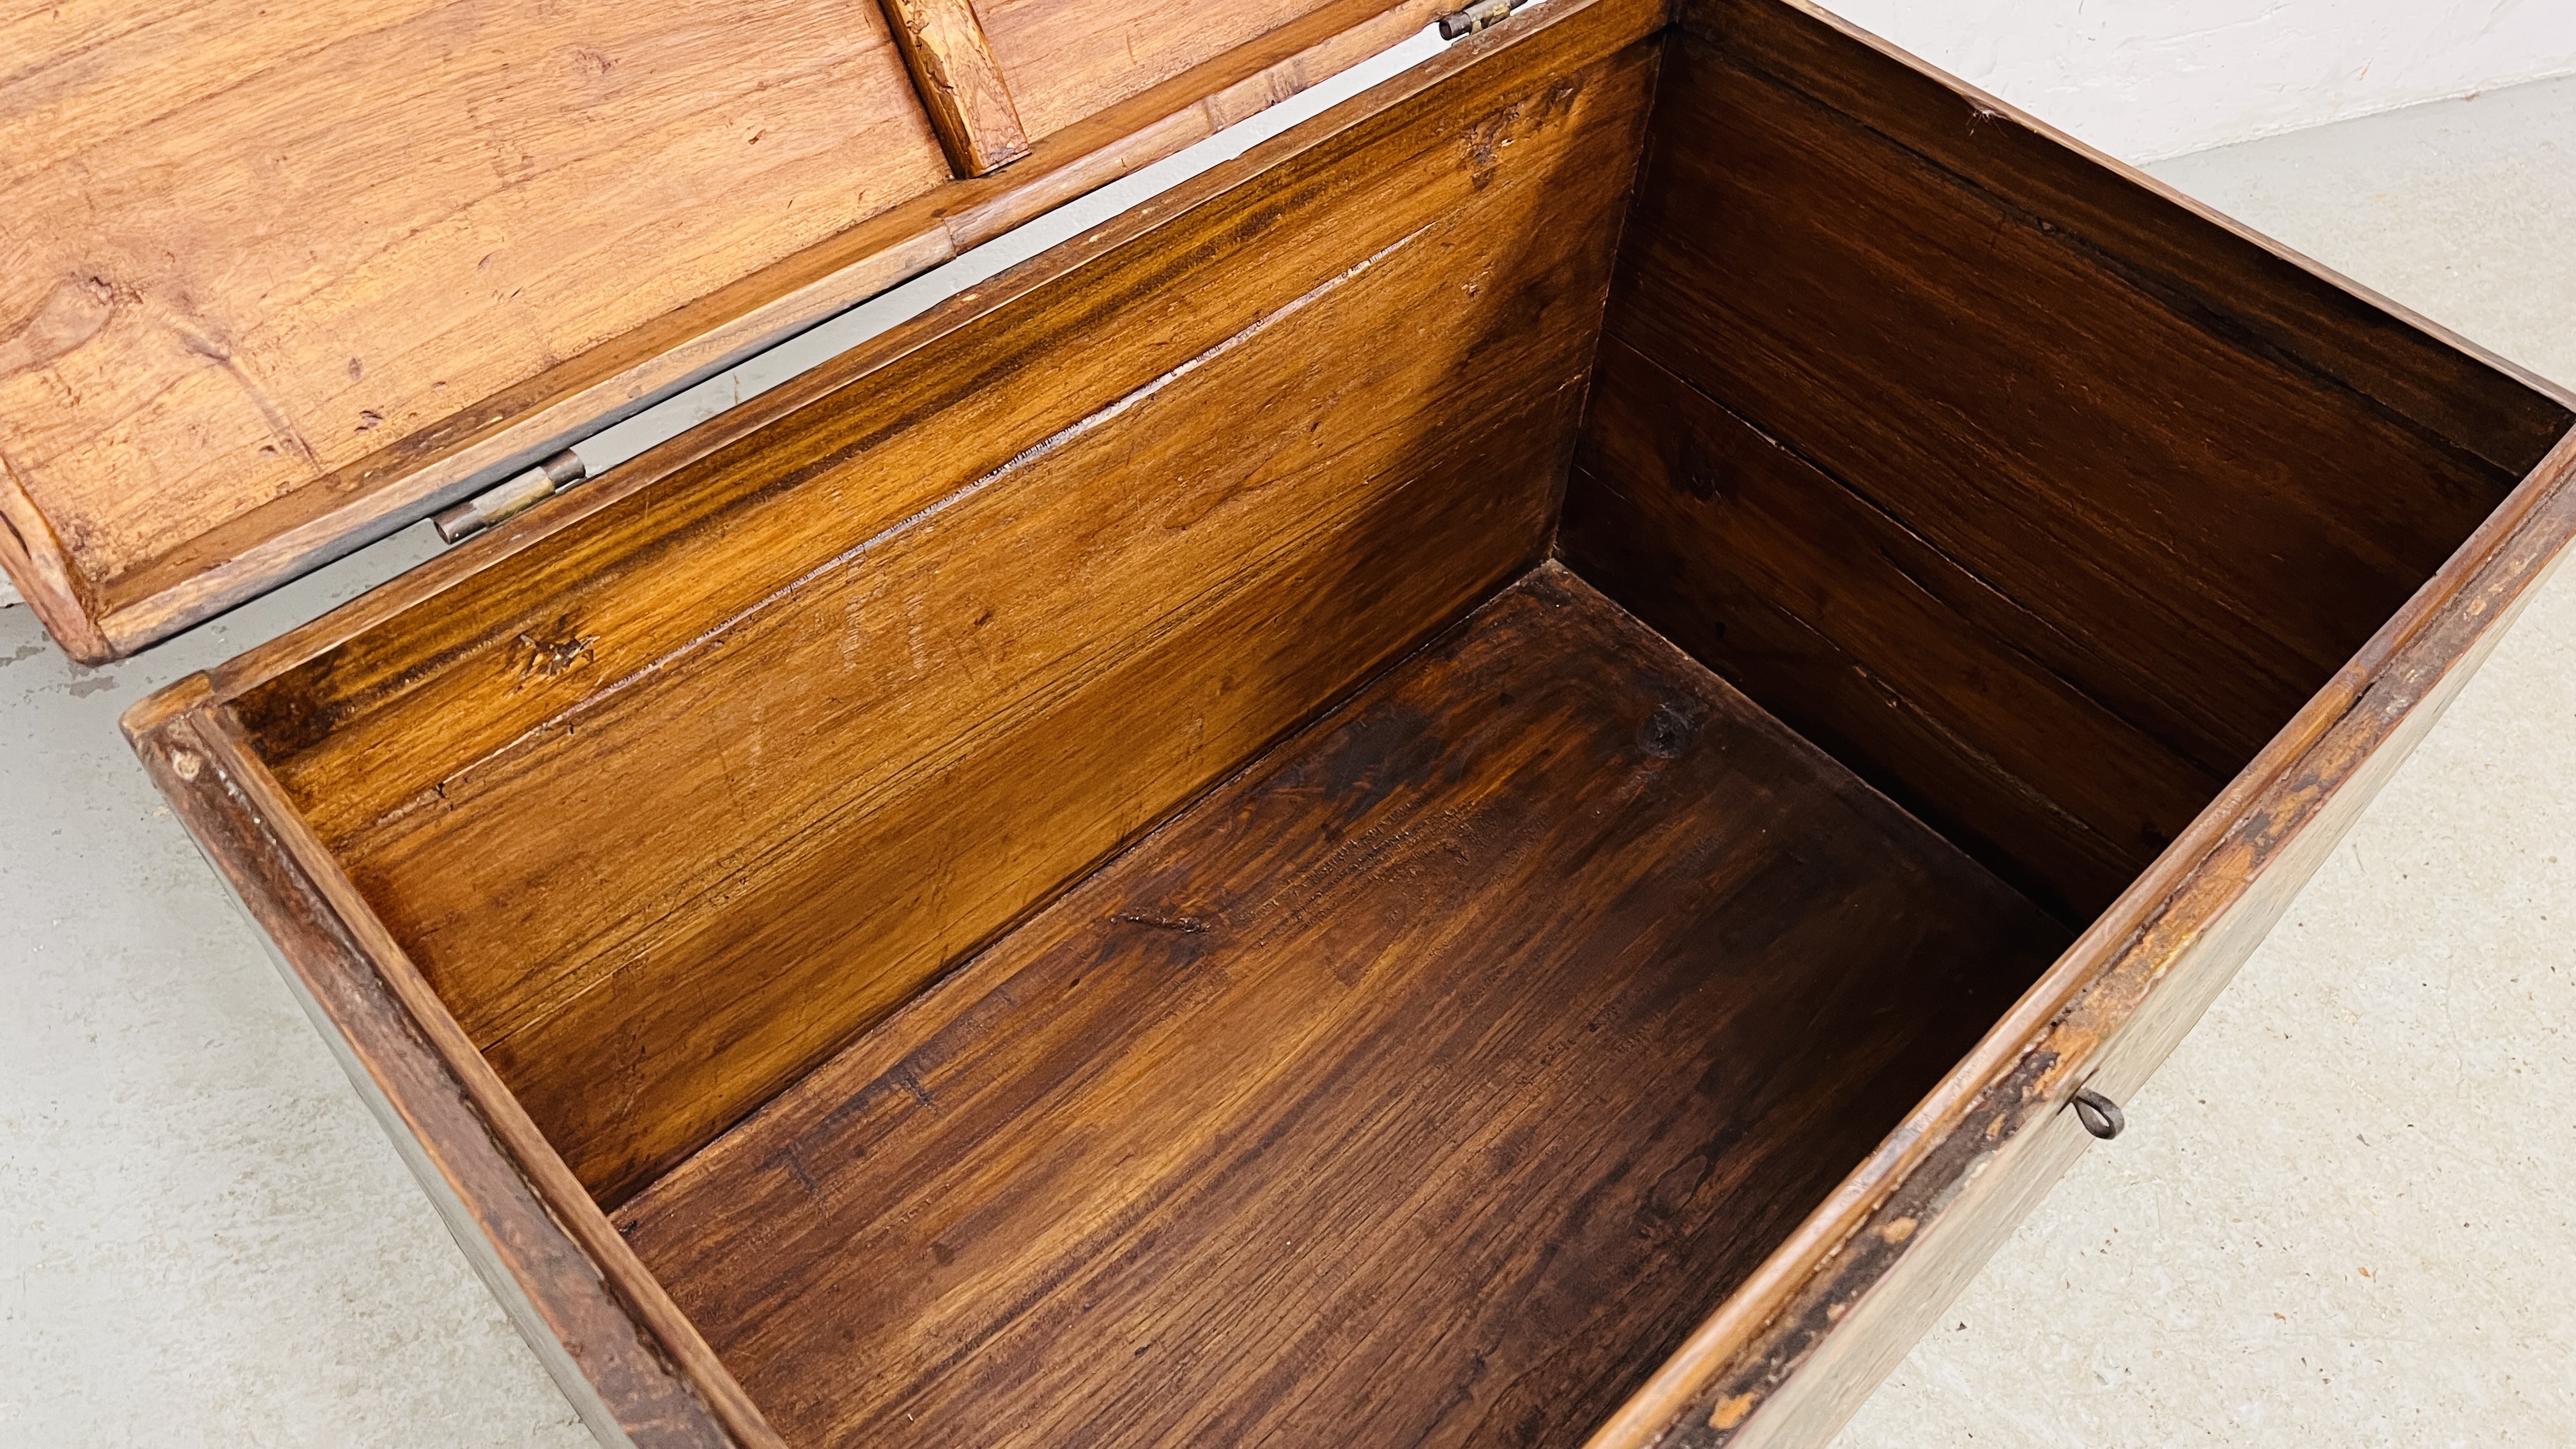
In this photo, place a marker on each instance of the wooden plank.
(2251, 290)
(592, 777)
(2190, 505)
(850, 920)
(1235, 86)
(2189, 521)
(632, 1366)
(2011, 738)
(2372, 432)
(256, 534)
(1065, 59)
(959, 82)
(251, 244)
(1796, 1350)
(1419, 1087)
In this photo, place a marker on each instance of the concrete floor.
(2338, 1217)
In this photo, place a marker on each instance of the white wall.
(2148, 79)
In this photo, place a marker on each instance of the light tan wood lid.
(275, 280)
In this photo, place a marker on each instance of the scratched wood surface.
(672, 788)
(1421, 1086)
(1066, 59)
(2118, 489)
(630, 1363)
(234, 347)
(248, 246)
(664, 836)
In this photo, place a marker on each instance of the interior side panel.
(2043, 498)
(1895, 652)
(704, 785)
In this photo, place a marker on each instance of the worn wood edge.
(1973, 1213)
(177, 754)
(255, 552)
(2049, 1043)
(36, 562)
(506, 1195)
(545, 1170)
(490, 549)
(1993, 109)
(1999, 1185)
(959, 83)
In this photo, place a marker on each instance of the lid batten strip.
(959, 82)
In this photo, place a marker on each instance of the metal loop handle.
(2100, 1115)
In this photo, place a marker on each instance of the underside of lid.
(275, 282)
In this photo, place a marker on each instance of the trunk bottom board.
(1423, 1084)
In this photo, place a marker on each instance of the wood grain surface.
(663, 837)
(631, 1365)
(1493, 1056)
(1422, 1086)
(1812, 1331)
(960, 84)
(1067, 59)
(250, 246)
(187, 534)
(2260, 295)
(1875, 644)
(2105, 491)
(1790, 1358)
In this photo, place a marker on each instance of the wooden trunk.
(1485, 779)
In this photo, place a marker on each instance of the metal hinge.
(1476, 17)
(511, 498)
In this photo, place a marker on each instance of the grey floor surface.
(2340, 1216)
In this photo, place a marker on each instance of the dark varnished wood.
(1873, 643)
(2057, 392)
(1794, 1353)
(863, 727)
(2251, 291)
(1422, 1086)
(1801, 1344)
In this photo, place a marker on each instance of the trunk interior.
(1318, 820)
